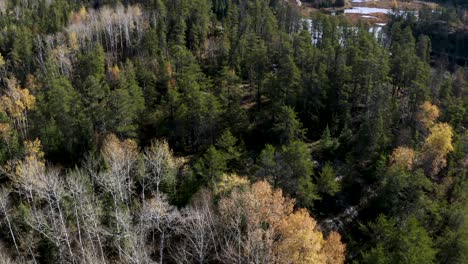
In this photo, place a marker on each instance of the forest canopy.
(230, 131)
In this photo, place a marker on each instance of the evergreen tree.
(327, 182)
(64, 127)
(404, 243)
(126, 103)
(227, 143)
(287, 126)
(211, 165)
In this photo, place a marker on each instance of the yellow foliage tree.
(81, 15)
(300, 242)
(428, 114)
(34, 149)
(252, 216)
(115, 72)
(403, 157)
(2, 61)
(32, 83)
(265, 227)
(333, 249)
(228, 182)
(29, 174)
(436, 147)
(121, 157)
(5, 131)
(119, 153)
(73, 40)
(16, 103)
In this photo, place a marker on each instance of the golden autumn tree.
(300, 242)
(251, 218)
(81, 15)
(436, 148)
(115, 72)
(228, 182)
(121, 157)
(29, 174)
(427, 115)
(437, 144)
(261, 224)
(334, 249)
(403, 157)
(2, 61)
(5, 129)
(16, 103)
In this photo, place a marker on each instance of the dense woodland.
(327, 3)
(228, 131)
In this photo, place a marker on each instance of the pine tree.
(64, 127)
(327, 182)
(211, 166)
(287, 125)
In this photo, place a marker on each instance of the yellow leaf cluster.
(78, 17)
(170, 73)
(115, 72)
(437, 145)
(333, 249)
(300, 243)
(428, 114)
(2, 61)
(5, 131)
(32, 83)
(30, 171)
(229, 182)
(136, 10)
(83, 12)
(261, 204)
(268, 219)
(34, 148)
(440, 138)
(17, 101)
(116, 151)
(433, 154)
(269, 205)
(403, 157)
(4, 127)
(73, 40)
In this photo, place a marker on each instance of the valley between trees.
(231, 131)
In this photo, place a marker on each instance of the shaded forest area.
(228, 131)
(327, 3)
(448, 31)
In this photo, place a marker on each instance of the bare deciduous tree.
(198, 232)
(160, 165)
(121, 158)
(4, 211)
(157, 218)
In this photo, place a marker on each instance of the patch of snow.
(370, 17)
(366, 10)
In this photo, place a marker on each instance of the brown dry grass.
(409, 5)
(307, 9)
(354, 19)
(387, 4)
